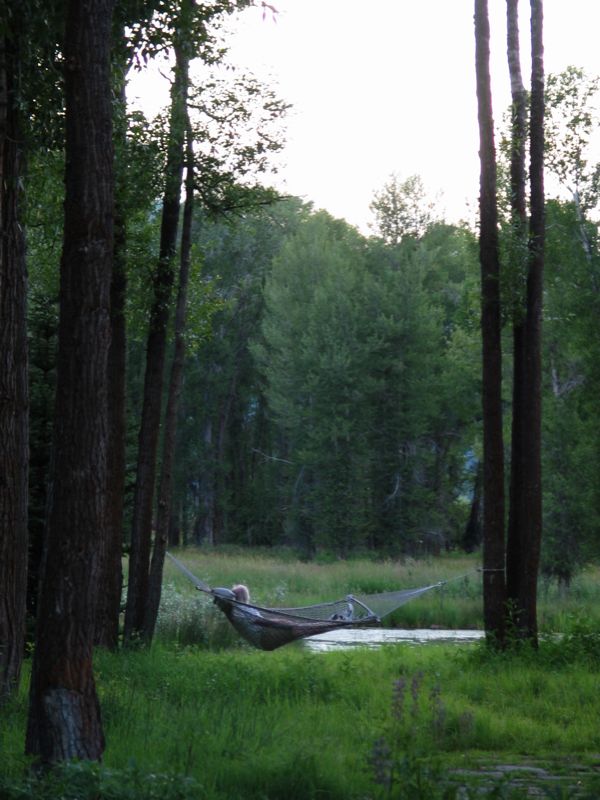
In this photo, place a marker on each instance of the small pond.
(344, 639)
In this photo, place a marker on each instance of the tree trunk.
(64, 715)
(14, 427)
(109, 600)
(222, 475)
(519, 233)
(493, 453)
(165, 493)
(530, 484)
(43, 335)
(139, 559)
(204, 529)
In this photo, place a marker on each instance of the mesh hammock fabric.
(269, 628)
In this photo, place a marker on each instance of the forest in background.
(331, 393)
(331, 398)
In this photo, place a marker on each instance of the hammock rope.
(269, 628)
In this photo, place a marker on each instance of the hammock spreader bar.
(269, 628)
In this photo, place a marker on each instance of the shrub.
(91, 781)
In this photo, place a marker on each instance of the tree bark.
(519, 232)
(111, 571)
(141, 531)
(165, 494)
(529, 501)
(14, 426)
(64, 714)
(493, 447)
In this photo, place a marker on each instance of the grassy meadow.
(213, 719)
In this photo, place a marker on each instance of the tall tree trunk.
(493, 454)
(165, 493)
(204, 529)
(43, 333)
(64, 714)
(14, 427)
(519, 233)
(530, 486)
(141, 531)
(111, 571)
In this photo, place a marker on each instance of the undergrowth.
(394, 723)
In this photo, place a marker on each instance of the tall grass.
(202, 716)
(294, 724)
(237, 720)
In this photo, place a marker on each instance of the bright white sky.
(382, 86)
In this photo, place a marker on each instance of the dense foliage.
(335, 406)
(332, 382)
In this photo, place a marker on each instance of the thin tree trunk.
(205, 530)
(531, 469)
(64, 714)
(222, 478)
(519, 233)
(141, 532)
(14, 427)
(165, 493)
(493, 453)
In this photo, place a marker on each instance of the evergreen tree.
(226, 476)
(570, 435)
(354, 355)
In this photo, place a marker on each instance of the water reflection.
(377, 637)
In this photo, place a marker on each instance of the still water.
(377, 637)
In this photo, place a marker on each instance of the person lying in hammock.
(269, 628)
(240, 593)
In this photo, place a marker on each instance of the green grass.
(193, 723)
(294, 724)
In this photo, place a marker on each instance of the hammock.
(269, 628)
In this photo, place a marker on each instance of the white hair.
(242, 595)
